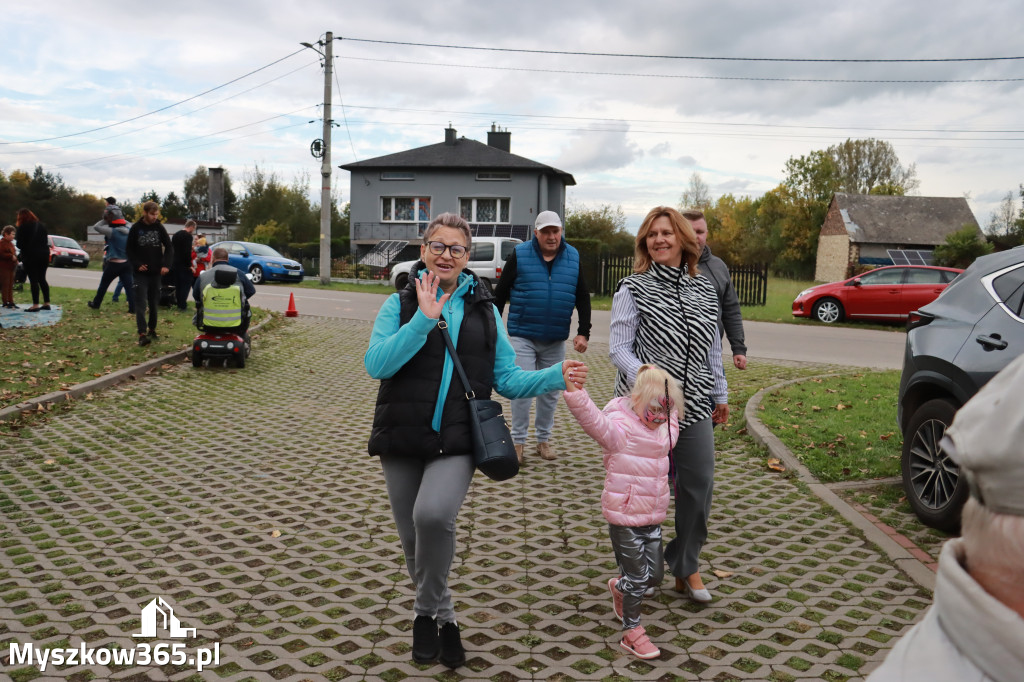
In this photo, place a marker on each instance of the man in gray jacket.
(730, 321)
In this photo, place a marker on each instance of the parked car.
(954, 346)
(886, 294)
(487, 256)
(66, 252)
(261, 262)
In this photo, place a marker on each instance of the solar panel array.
(904, 257)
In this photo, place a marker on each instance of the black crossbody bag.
(493, 451)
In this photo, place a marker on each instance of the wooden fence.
(603, 275)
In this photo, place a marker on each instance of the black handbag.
(494, 454)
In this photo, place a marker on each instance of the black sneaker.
(144, 340)
(152, 334)
(424, 640)
(94, 306)
(452, 653)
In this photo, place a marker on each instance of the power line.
(156, 111)
(684, 57)
(688, 77)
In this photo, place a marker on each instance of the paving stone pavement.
(246, 500)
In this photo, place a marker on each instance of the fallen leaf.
(776, 465)
(815, 408)
(275, 533)
(50, 461)
(722, 574)
(840, 406)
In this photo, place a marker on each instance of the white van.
(487, 255)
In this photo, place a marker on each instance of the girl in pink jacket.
(637, 433)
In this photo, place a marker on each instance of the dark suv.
(954, 346)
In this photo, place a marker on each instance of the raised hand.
(426, 295)
(575, 374)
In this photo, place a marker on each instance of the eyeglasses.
(438, 248)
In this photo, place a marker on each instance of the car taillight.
(918, 319)
(497, 273)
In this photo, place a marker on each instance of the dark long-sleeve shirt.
(503, 291)
(149, 245)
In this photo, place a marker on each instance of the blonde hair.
(651, 383)
(449, 220)
(684, 233)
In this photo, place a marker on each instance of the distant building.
(863, 229)
(394, 197)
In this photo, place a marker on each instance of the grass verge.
(84, 345)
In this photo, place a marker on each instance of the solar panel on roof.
(911, 257)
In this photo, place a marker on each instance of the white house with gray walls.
(393, 197)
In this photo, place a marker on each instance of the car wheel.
(828, 310)
(401, 281)
(933, 483)
(257, 274)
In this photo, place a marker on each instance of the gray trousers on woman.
(426, 496)
(694, 457)
(638, 551)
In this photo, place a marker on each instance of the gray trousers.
(425, 497)
(638, 551)
(694, 457)
(532, 355)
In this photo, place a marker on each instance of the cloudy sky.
(119, 100)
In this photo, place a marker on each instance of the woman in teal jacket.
(421, 421)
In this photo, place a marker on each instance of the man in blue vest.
(543, 283)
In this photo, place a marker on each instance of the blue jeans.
(122, 272)
(532, 355)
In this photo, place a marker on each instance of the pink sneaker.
(637, 643)
(616, 598)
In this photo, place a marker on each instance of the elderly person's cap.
(986, 439)
(546, 219)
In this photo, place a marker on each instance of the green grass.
(84, 345)
(841, 428)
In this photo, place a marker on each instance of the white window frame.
(506, 201)
(415, 209)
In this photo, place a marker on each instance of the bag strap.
(443, 326)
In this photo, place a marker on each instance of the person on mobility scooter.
(222, 296)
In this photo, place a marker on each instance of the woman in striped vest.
(666, 314)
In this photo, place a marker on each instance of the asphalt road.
(867, 348)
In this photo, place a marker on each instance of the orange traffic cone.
(291, 312)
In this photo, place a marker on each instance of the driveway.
(251, 509)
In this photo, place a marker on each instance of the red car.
(886, 294)
(66, 252)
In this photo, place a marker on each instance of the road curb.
(33, 405)
(891, 544)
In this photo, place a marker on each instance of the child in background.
(637, 433)
(201, 256)
(8, 264)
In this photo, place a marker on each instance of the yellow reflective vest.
(222, 306)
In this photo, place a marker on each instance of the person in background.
(8, 264)
(149, 251)
(248, 290)
(666, 313)
(33, 242)
(636, 433)
(181, 263)
(730, 320)
(974, 629)
(542, 283)
(115, 264)
(421, 422)
(201, 256)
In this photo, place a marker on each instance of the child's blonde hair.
(652, 382)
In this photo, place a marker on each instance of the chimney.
(449, 135)
(499, 139)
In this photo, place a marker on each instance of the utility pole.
(325, 167)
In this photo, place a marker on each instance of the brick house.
(861, 229)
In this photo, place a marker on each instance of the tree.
(862, 165)
(961, 248)
(696, 195)
(267, 198)
(173, 208)
(603, 224)
(1004, 219)
(151, 195)
(197, 195)
(272, 234)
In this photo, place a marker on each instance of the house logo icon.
(159, 612)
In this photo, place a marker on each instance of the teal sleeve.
(393, 344)
(511, 380)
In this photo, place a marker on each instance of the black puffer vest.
(406, 401)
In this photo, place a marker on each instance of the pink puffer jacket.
(635, 459)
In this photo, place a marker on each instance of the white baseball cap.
(545, 219)
(986, 438)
